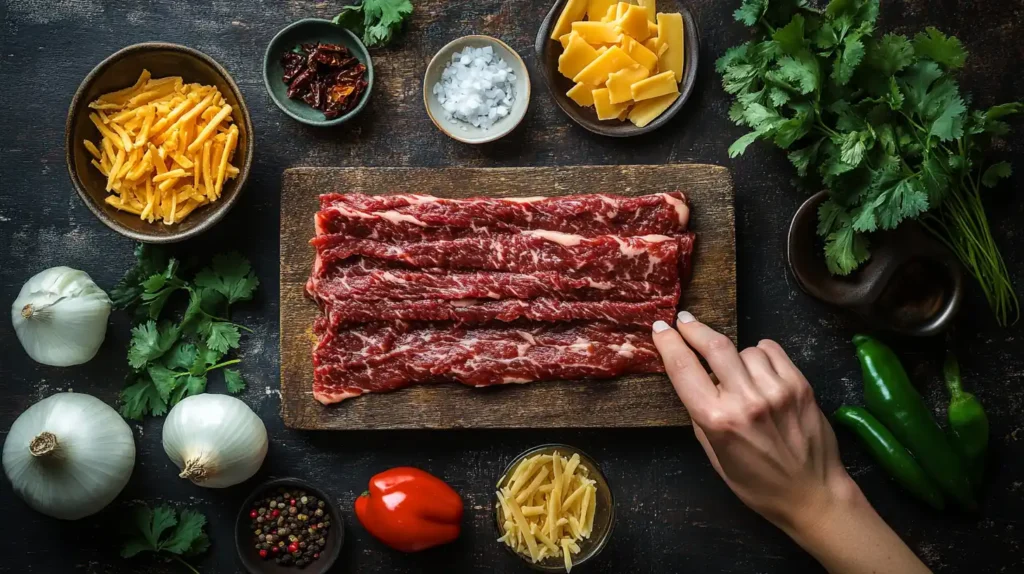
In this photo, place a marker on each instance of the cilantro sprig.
(879, 121)
(375, 21)
(163, 532)
(172, 360)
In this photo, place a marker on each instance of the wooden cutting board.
(631, 401)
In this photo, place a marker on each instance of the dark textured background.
(674, 514)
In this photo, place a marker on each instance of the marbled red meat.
(372, 280)
(385, 357)
(605, 257)
(478, 311)
(415, 217)
(483, 291)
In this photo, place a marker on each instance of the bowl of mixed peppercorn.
(288, 525)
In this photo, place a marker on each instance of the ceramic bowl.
(912, 285)
(244, 543)
(604, 515)
(120, 70)
(549, 50)
(302, 32)
(464, 132)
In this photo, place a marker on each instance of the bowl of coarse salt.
(476, 89)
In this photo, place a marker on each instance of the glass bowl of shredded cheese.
(554, 508)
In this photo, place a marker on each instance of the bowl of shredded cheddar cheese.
(158, 142)
(554, 508)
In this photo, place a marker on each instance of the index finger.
(691, 382)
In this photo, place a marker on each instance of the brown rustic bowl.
(549, 50)
(248, 555)
(905, 260)
(120, 70)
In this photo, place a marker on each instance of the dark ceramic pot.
(912, 285)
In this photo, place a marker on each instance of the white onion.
(69, 455)
(60, 317)
(215, 440)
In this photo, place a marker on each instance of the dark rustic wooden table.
(674, 513)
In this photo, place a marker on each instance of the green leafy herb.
(375, 21)
(163, 532)
(879, 121)
(171, 360)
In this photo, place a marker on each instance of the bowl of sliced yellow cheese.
(619, 69)
(158, 142)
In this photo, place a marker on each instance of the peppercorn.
(304, 500)
(263, 553)
(320, 504)
(319, 512)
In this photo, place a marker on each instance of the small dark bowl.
(243, 537)
(119, 71)
(301, 32)
(912, 285)
(549, 50)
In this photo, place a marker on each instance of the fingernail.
(686, 317)
(660, 326)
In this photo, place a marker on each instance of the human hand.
(769, 441)
(760, 426)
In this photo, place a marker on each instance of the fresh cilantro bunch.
(161, 531)
(375, 21)
(878, 120)
(171, 360)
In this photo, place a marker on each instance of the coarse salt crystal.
(477, 87)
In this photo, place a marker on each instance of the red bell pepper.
(410, 510)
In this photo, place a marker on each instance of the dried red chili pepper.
(325, 76)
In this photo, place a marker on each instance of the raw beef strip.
(360, 282)
(485, 356)
(424, 217)
(476, 311)
(652, 258)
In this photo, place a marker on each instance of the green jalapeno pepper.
(891, 454)
(968, 422)
(894, 401)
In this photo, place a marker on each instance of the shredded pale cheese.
(546, 506)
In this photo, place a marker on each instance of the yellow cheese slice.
(650, 8)
(602, 50)
(577, 55)
(670, 33)
(609, 15)
(564, 40)
(596, 33)
(651, 44)
(652, 27)
(620, 83)
(574, 10)
(633, 22)
(646, 111)
(604, 108)
(597, 9)
(662, 48)
(663, 83)
(596, 73)
(582, 94)
(640, 53)
(620, 9)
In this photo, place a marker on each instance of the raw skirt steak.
(484, 291)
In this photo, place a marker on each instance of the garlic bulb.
(69, 455)
(215, 440)
(60, 317)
